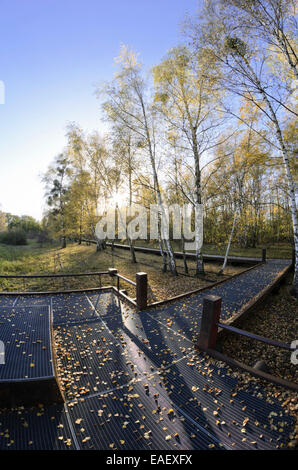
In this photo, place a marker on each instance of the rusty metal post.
(264, 255)
(141, 290)
(210, 318)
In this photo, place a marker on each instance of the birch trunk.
(228, 245)
(198, 201)
(162, 250)
(63, 230)
(290, 179)
(291, 186)
(184, 255)
(166, 241)
(131, 247)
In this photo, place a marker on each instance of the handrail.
(126, 279)
(28, 276)
(272, 342)
(124, 296)
(140, 284)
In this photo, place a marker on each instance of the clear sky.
(52, 54)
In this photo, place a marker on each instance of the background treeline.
(236, 178)
(16, 230)
(213, 124)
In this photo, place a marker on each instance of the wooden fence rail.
(210, 324)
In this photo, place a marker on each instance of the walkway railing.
(272, 342)
(24, 283)
(141, 284)
(210, 324)
(207, 342)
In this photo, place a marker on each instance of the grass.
(76, 258)
(50, 259)
(26, 258)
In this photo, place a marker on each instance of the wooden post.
(141, 290)
(264, 255)
(112, 272)
(293, 259)
(210, 318)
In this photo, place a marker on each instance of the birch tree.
(272, 21)
(185, 94)
(90, 159)
(79, 190)
(248, 74)
(124, 150)
(127, 102)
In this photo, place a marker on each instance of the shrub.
(13, 237)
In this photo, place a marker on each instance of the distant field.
(28, 258)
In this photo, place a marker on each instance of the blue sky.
(52, 54)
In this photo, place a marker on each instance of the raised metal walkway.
(133, 380)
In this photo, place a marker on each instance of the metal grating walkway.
(133, 381)
(25, 332)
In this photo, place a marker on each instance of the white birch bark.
(229, 244)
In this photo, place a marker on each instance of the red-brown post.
(113, 272)
(293, 258)
(141, 290)
(264, 255)
(210, 318)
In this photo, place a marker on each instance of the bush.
(43, 237)
(13, 237)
